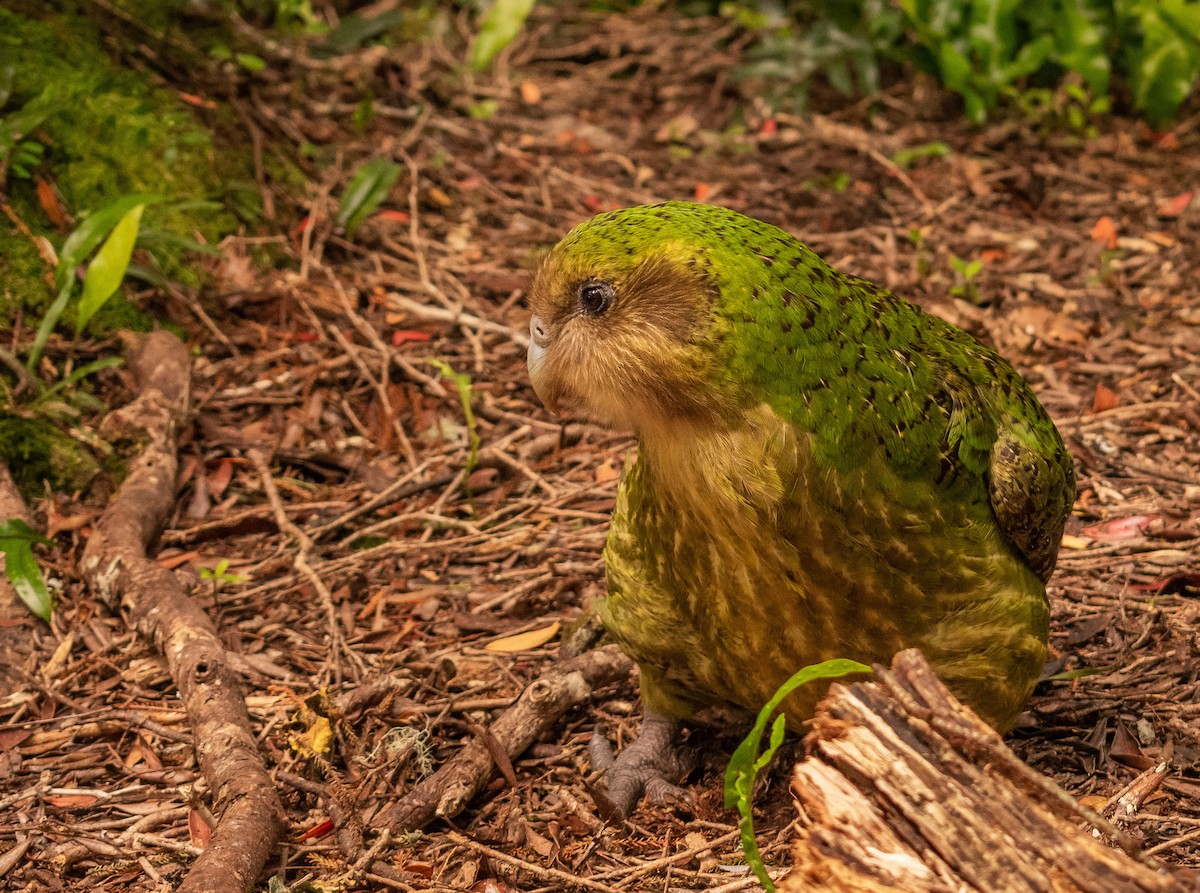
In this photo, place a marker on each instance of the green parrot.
(823, 470)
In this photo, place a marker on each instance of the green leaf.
(502, 23)
(367, 189)
(94, 228)
(746, 763)
(250, 62)
(21, 568)
(108, 267)
(462, 383)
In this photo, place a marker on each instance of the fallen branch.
(906, 789)
(544, 701)
(117, 570)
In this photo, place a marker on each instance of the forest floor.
(453, 569)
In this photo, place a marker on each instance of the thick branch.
(906, 789)
(544, 701)
(116, 568)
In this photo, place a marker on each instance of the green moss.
(113, 134)
(35, 451)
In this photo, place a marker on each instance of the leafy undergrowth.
(457, 544)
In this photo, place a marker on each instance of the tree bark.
(906, 789)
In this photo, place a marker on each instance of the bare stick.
(448, 791)
(337, 645)
(117, 570)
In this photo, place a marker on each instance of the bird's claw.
(643, 768)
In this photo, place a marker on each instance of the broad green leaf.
(21, 568)
(367, 189)
(1081, 44)
(746, 762)
(92, 231)
(107, 269)
(502, 23)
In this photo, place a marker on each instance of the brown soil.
(1089, 285)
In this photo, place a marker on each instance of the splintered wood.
(907, 789)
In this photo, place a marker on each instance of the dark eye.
(596, 297)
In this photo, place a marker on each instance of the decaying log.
(250, 815)
(906, 789)
(448, 791)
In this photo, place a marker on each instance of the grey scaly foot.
(650, 765)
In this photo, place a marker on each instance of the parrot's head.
(625, 330)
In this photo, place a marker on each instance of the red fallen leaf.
(1164, 140)
(1105, 232)
(198, 829)
(992, 255)
(48, 199)
(1187, 583)
(392, 216)
(193, 99)
(306, 337)
(70, 800)
(1119, 528)
(308, 221)
(769, 127)
(170, 562)
(1105, 398)
(591, 203)
(703, 191)
(318, 830)
(403, 336)
(219, 478)
(12, 738)
(1177, 205)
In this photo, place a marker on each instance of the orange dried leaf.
(170, 562)
(219, 478)
(1105, 232)
(605, 472)
(526, 641)
(71, 800)
(392, 216)
(48, 199)
(1177, 205)
(531, 93)
(1104, 398)
(198, 829)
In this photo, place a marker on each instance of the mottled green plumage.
(823, 471)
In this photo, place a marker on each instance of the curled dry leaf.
(526, 641)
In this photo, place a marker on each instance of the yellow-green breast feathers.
(822, 465)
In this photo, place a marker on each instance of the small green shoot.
(95, 228)
(16, 542)
(746, 763)
(500, 26)
(965, 274)
(220, 576)
(367, 189)
(462, 383)
(910, 156)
